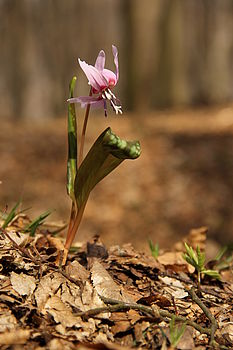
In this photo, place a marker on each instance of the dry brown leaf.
(62, 313)
(156, 298)
(174, 258)
(90, 299)
(104, 284)
(7, 320)
(227, 329)
(22, 283)
(77, 272)
(18, 336)
(186, 341)
(60, 344)
(120, 326)
(139, 330)
(174, 287)
(17, 237)
(196, 237)
(133, 316)
(47, 287)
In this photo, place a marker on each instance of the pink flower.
(102, 81)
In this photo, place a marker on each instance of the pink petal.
(100, 61)
(96, 79)
(115, 56)
(110, 77)
(86, 100)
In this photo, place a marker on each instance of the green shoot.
(224, 257)
(197, 260)
(12, 214)
(35, 223)
(154, 248)
(176, 332)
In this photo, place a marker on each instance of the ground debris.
(107, 299)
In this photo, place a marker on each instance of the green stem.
(80, 159)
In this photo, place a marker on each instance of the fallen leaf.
(175, 287)
(47, 287)
(174, 258)
(7, 321)
(18, 336)
(62, 313)
(23, 284)
(76, 271)
(104, 284)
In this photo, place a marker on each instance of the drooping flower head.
(102, 81)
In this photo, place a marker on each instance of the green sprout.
(12, 214)
(154, 248)
(35, 223)
(224, 257)
(176, 332)
(197, 260)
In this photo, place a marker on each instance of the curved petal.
(115, 57)
(110, 77)
(100, 61)
(94, 76)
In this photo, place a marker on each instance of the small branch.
(116, 305)
(23, 251)
(194, 284)
(207, 312)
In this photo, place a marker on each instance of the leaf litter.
(116, 298)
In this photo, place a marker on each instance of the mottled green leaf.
(105, 155)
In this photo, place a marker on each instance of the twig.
(207, 312)
(23, 251)
(194, 284)
(116, 305)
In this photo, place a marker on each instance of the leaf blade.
(72, 143)
(105, 155)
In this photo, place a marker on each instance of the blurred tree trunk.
(172, 52)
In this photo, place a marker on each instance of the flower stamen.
(107, 94)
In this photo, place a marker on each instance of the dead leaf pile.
(106, 299)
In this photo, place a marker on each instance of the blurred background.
(176, 88)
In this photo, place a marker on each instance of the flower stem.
(80, 158)
(72, 218)
(76, 222)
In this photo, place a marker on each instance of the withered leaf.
(104, 284)
(156, 298)
(22, 283)
(18, 336)
(61, 313)
(174, 287)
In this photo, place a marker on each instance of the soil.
(182, 180)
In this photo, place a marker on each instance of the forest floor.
(116, 295)
(115, 298)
